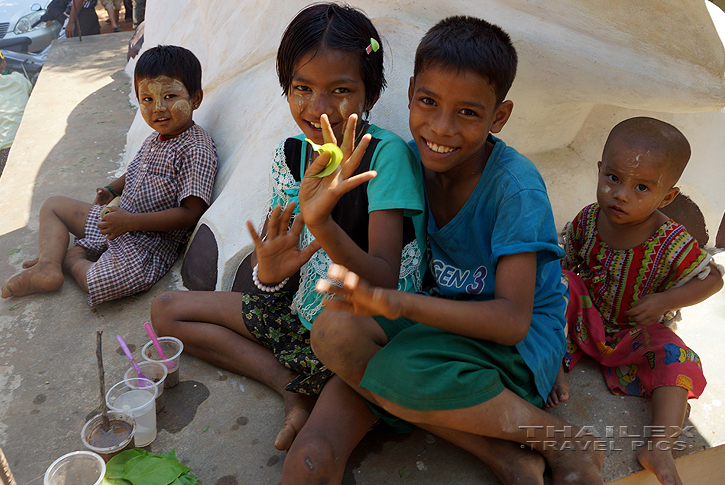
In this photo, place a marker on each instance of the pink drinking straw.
(130, 358)
(151, 333)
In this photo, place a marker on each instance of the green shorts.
(427, 369)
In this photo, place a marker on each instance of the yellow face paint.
(165, 104)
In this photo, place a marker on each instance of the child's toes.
(559, 394)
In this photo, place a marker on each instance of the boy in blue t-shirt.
(474, 361)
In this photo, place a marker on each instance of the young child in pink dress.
(635, 267)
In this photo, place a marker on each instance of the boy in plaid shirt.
(164, 192)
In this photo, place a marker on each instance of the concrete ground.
(222, 425)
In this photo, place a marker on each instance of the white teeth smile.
(315, 125)
(438, 148)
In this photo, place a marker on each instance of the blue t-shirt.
(508, 213)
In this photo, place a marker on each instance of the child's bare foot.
(517, 465)
(560, 392)
(659, 462)
(39, 278)
(30, 263)
(297, 409)
(580, 462)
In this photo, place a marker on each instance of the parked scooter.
(18, 58)
(15, 50)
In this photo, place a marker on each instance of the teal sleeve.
(399, 183)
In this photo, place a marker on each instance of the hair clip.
(373, 47)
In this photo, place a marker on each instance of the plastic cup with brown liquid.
(120, 436)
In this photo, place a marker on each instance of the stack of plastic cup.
(172, 348)
(155, 371)
(136, 397)
(77, 468)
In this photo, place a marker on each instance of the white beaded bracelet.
(268, 289)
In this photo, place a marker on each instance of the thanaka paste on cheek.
(343, 108)
(181, 108)
(299, 102)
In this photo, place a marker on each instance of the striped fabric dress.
(635, 359)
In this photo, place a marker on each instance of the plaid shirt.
(161, 175)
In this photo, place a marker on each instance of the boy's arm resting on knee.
(504, 320)
(119, 221)
(651, 308)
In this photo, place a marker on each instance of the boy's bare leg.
(211, 326)
(560, 392)
(112, 17)
(669, 404)
(57, 217)
(573, 459)
(509, 461)
(76, 264)
(319, 454)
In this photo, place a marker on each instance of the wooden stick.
(6, 476)
(102, 381)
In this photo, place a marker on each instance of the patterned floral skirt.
(268, 317)
(635, 359)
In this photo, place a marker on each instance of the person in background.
(14, 93)
(113, 7)
(139, 12)
(128, 7)
(82, 18)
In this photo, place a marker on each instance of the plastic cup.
(77, 468)
(136, 397)
(155, 371)
(120, 439)
(172, 347)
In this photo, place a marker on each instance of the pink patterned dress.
(635, 359)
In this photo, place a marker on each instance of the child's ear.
(502, 115)
(599, 166)
(411, 86)
(196, 99)
(669, 197)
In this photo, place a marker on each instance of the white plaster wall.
(584, 65)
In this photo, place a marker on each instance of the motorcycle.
(15, 50)
(18, 59)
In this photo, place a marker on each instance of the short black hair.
(469, 43)
(169, 60)
(653, 134)
(332, 26)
